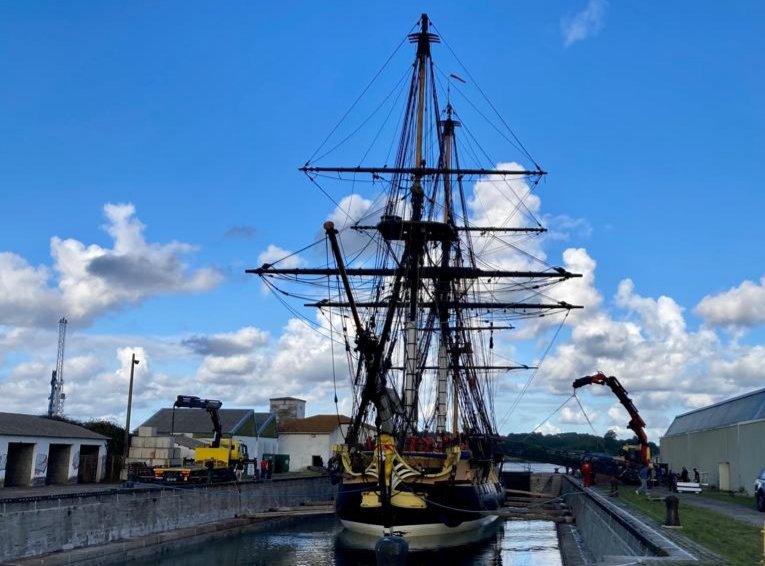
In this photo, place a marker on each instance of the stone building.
(287, 407)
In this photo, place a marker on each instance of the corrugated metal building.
(726, 440)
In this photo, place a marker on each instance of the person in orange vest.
(263, 468)
(586, 472)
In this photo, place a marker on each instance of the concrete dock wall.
(36, 526)
(609, 531)
(605, 531)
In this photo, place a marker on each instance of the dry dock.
(128, 520)
(592, 529)
(108, 527)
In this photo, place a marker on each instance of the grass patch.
(730, 497)
(736, 542)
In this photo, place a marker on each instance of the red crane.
(636, 424)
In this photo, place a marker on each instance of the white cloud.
(569, 415)
(89, 280)
(350, 210)
(742, 306)
(746, 367)
(299, 363)
(506, 202)
(617, 414)
(548, 428)
(241, 341)
(285, 258)
(25, 298)
(668, 366)
(585, 23)
(698, 400)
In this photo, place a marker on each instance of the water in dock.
(320, 540)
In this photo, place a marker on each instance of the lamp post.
(133, 363)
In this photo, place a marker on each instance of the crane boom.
(209, 405)
(57, 395)
(636, 424)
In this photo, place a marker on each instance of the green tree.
(115, 432)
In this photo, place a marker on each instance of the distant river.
(319, 540)
(536, 467)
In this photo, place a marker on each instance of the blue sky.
(648, 116)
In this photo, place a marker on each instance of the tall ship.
(421, 280)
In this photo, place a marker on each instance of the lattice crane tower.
(57, 395)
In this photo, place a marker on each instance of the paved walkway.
(732, 509)
(54, 490)
(48, 490)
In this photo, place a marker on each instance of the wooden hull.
(448, 508)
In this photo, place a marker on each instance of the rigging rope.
(363, 92)
(534, 373)
(551, 415)
(486, 98)
(585, 415)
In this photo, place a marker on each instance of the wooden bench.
(688, 487)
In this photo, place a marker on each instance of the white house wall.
(268, 446)
(40, 456)
(301, 447)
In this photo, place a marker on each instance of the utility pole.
(133, 363)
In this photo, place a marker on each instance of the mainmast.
(416, 243)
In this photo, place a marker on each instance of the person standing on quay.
(586, 473)
(263, 468)
(643, 475)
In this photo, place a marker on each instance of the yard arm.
(209, 405)
(636, 424)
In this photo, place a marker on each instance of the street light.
(133, 363)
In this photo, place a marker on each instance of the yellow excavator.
(212, 464)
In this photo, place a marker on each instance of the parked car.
(759, 491)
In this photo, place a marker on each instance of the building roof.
(262, 420)
(747, 407)
(317, 424)
(286, 399)
(197, 421)
(16, 424)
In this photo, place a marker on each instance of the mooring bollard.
(673, 518)
(391, 551)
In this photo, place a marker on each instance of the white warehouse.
(38, 450)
